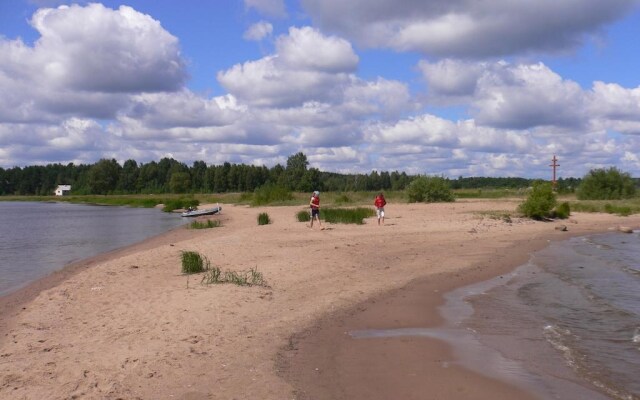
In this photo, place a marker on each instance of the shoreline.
(14, 301)
(122, 324)
(409, 368)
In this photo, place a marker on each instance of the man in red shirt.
(315, 208)
(380, 202)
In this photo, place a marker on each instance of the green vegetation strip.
(340, 215)
(204, 225)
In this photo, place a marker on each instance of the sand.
(129, 325)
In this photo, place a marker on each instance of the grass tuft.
(303, 216)
(263, 219)
(204, 225)
(193, 262)
(241, 278)
(347, 215)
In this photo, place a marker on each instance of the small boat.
(205, 211)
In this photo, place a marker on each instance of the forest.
(107, 176)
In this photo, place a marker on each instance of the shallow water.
(565, 325)
(39, 238)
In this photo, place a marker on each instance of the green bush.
(563, 211)
(270, 193)
(263, 219)
(429, 189)
(193, 262)
(540, 201)
(606, 184)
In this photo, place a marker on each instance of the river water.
(566, 325)
(37, 238)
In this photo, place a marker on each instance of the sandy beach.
(129, 325)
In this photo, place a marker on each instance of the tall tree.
(296, 167)
(103, 176)
(129, 176)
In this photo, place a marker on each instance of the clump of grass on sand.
(193, 262)
(347, 215)
(340, 215)
(303, 216)
(210, 223)
(263, 219)
(241, 278)
(619, 207)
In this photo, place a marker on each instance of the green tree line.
(107, 176)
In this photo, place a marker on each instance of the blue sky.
(439, 87)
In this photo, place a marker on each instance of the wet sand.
(129, 325)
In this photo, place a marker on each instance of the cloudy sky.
(438, 87)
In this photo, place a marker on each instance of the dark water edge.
(38, 238)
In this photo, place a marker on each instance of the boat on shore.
(204, 211)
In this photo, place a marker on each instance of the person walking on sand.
(315, 208)
(380, 202)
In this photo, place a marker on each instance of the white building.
(63, 190)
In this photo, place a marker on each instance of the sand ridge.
(132, 326)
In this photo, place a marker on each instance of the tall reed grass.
(193, 262)
(340, 215)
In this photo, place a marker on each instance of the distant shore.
(128, 324)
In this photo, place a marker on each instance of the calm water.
(580, 298)
(565, 325)
(38, 238)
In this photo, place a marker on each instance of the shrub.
(270, 193)
(563, 211)
(193, 262)
(263, 219)
(540, 201)
(430, 190)
(606, 184)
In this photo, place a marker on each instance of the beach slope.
(130, 325)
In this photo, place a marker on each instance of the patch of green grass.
(342, 198)
(346, 215)
(616, 209)
(263, 219)
(176, 204)
(303, 216)
(488, 193)
(271, 194)
(339, 215)
(193, 262)
(210, 223)
(619, 207)
(252, 277)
